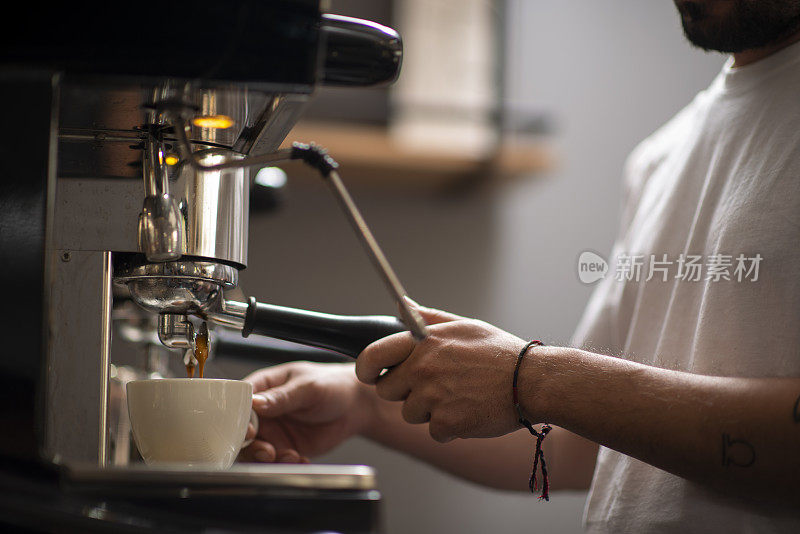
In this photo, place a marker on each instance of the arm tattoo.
(796, 411)
(737, 452)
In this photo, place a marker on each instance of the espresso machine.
(130, 142)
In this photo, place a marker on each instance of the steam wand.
(317, 157)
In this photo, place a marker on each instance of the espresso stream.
(200, 353)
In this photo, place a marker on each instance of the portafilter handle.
(345, 334)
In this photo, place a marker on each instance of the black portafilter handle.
(267, 350)
(345, 334)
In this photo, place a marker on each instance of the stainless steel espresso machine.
(126, 164)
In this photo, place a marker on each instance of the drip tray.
(239, 479)
(247, 497)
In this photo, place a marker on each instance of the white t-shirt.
(721, 181)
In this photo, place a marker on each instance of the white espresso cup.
(190, 421)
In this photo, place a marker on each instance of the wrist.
(366, 405)
(380, 415)
(540, 375)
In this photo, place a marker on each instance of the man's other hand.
(305, 409)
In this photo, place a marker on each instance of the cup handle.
(254, 422)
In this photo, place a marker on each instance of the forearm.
(724, 432)
(501, 463)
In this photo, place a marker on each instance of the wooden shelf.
(370, 153)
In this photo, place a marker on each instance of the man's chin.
(700, 38)
(733, 27)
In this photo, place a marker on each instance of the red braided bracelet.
(538, 454)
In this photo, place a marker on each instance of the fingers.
(432, 315)
(251, 432)
(386, 352)
(441, 429)
(259, 451)
(288, 456)
(283, 399)
(269, 377)
(416, 410)
(394, 386)
(392, 350)
(265, 453)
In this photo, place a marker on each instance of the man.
(692, 383)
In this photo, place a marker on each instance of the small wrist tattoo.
(737, 452)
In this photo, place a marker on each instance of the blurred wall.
(608, 73)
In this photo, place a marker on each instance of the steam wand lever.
(318, 158)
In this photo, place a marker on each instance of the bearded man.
(679, 402)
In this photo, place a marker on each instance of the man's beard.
(744, 25)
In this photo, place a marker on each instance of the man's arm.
(502, 463)
(729, 433)
(737, 434)
(307, 409)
